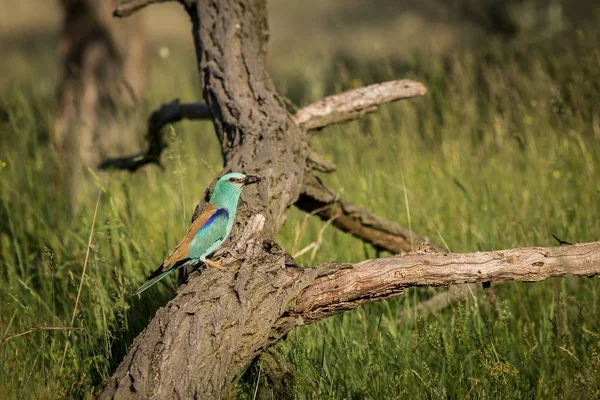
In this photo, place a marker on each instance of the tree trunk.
(103, 75)
(228, 318)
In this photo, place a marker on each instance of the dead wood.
(358, 221)
(355, 103)
(346, 286)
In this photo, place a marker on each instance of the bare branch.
(128, 7)
(342, 287)
(355, 103)
(449, 297)
(318, 199)
(166, 114)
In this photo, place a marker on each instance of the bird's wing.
(211, 235)
(181, 253)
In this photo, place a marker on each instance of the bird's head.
(229, 188)
(238, 179)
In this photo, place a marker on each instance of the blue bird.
(208, 231)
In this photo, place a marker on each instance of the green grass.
(502, 152)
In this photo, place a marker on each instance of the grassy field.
(503, 151)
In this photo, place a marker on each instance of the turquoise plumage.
(208, 231)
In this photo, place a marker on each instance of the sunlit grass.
(504, 151)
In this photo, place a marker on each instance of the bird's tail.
(153, 281)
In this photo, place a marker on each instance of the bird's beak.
(250, 179)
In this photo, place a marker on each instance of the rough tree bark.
(203, 339)
(103, 75)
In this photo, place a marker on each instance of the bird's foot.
(215, 264)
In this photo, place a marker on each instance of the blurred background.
(503, 151)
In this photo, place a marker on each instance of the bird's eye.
(232, 180)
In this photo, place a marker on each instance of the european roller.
(208, 231)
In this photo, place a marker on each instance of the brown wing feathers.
(181, 251)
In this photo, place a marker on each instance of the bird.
(208, 231)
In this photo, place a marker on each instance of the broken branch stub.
(353, 104)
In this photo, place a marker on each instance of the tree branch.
(454, 294)
(166, 114)
(128, 7)
(342, 287)
(348, 105)
(353, 104)
(318, 199)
